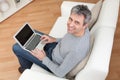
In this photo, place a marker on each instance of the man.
(60, 56)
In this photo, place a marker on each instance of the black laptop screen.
(24, 34)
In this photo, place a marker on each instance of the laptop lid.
(24, 34)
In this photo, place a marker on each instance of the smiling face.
(75, 24)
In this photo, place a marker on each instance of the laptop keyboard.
(32, 45)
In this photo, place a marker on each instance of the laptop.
(28, 39)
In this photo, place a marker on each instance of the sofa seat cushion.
(35, 75)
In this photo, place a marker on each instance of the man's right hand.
(47, 39)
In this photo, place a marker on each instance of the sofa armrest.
(67, 5)
(97, 67)
(109, 13)
(34, 75)
(37, 68)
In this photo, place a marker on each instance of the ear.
(85, 26)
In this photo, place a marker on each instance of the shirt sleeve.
(58, 39)
(67, 65)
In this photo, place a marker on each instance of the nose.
(71, 24)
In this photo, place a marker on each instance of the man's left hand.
(40, 54)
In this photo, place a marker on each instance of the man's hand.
(47, 39)
(40, 54)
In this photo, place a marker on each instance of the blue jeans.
(26, 59)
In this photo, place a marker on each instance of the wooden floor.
(41, 14)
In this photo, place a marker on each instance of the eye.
(70, 19)
(77, 23)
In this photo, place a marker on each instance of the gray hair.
(82, 10)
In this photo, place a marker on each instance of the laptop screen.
(24, 34)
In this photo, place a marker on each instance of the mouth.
(70, 29)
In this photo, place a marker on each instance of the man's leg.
(25, 58)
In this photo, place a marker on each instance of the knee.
(15, 48)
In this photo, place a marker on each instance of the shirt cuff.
(45, 60)
(58, 39)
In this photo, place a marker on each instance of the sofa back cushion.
(67, 6)
(82, 64)
(95, 13)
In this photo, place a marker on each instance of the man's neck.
(80, 34)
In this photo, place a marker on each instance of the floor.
(42, 14)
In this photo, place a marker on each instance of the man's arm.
(66, 66)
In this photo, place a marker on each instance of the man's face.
(75, 24)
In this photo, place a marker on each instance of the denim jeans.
(26, 59)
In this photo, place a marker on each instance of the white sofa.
(97, 67)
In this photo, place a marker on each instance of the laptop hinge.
(31, 38)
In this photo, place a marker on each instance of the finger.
(32, 53)
(43, 37)
(43, 52)
(38, 50)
